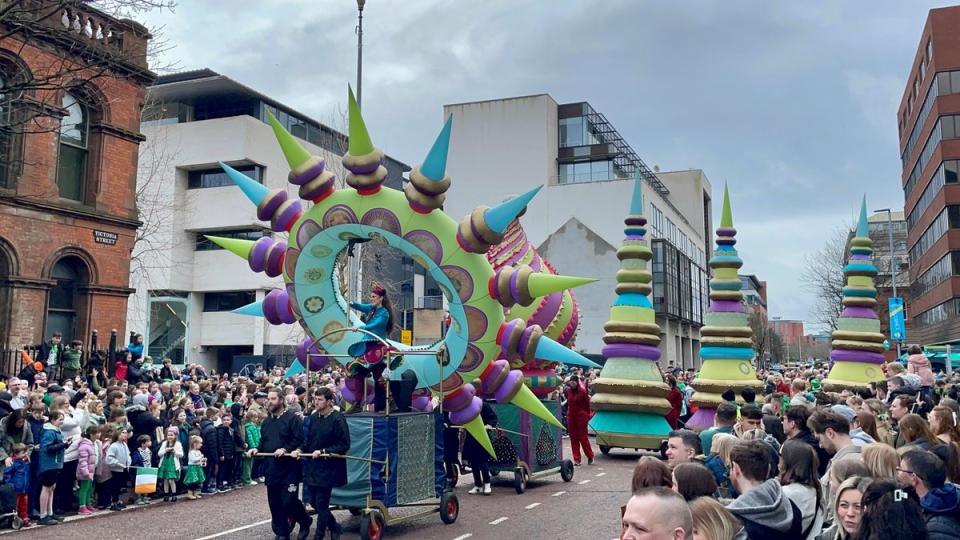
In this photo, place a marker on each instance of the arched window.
(72, 160)
(6, 131)
(66, 297)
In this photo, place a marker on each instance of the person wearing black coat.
(135, 372)
(228, 437)
(281, 434)
(477, 454)
(211, 449)
(326, 433)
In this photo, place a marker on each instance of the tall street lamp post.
(360, 4)
(894, 264)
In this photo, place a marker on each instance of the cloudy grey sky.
(792, 103)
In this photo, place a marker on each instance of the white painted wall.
(508, 146)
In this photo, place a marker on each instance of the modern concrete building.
(754, 293)
(929, 126)
(509, 146)
(187, 285)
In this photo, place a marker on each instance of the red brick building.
(929, 123)
(72, 85)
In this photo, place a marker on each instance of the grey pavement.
(585, 508)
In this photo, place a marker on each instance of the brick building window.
(5, 131)
(74, 139)
(12, 75)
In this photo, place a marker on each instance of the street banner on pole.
(898, 330)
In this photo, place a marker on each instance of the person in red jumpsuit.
(675, 397)
(578, 413)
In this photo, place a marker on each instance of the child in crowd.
(251, 426)
(52, 447)
(36, 420)
(17, 474)
(87, 461)
(142, 457)
(211, 449)
(103, 476)
(230, 443)
(170, 453)
(196, 462)
(118, 460)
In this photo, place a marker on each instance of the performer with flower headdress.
(368, 353)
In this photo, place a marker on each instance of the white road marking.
(559, 493)
(601, 474)
(582, 482)
(532, 506)
(499, 520)
(238, 529)
(463, 536)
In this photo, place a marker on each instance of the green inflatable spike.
(476, 429)
(238, 247)
(360, 143)
(636, 202)
(527, 400)
(296, 155)
(726, 217)
(863, 229)
(541, 285)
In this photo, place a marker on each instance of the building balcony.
(82, 29)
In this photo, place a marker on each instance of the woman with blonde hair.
(847, 508)
(711, 521)
(719, 463)
(881, 460)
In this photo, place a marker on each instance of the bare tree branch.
(823, 276)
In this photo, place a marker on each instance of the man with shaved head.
(657, 514)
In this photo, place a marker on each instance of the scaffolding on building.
(626, 158)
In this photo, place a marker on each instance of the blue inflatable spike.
(548, 349)
(863, 229)
(255, 309)
(636, 203)
(254, 190)
(435, 165)
(295, 368)
(499, 217)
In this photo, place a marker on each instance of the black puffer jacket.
(941, 506)
(211, 441)
(229, 440)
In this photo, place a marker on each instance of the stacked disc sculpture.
(630, 397)
(857, 345)
(726, 343)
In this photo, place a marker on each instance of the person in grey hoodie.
(857, 435)
(763, 508)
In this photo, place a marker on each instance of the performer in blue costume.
(368, 353)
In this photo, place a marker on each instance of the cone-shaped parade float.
(630, 397)
(857, 345)
(726, 343)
